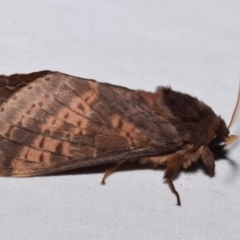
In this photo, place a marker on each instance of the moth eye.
(217, 142)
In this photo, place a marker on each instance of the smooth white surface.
(194, 46)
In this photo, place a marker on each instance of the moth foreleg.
(208, 159)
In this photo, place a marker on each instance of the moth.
(52, 122)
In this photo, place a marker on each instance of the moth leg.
(173, 165)
(170, 184)
(110, 170)
(208, 159)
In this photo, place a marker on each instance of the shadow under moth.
(52, 122)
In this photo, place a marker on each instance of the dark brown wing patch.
(59, 122)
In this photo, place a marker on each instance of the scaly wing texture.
(59, 122)
(11, 84)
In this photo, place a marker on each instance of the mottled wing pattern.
(60, 122)
(11, 84)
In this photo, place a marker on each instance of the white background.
(194, 46)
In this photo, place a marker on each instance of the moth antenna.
(236, 109)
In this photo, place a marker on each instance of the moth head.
(222, 137)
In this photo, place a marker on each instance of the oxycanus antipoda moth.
(52, 122)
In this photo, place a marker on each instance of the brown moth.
(52, 122)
